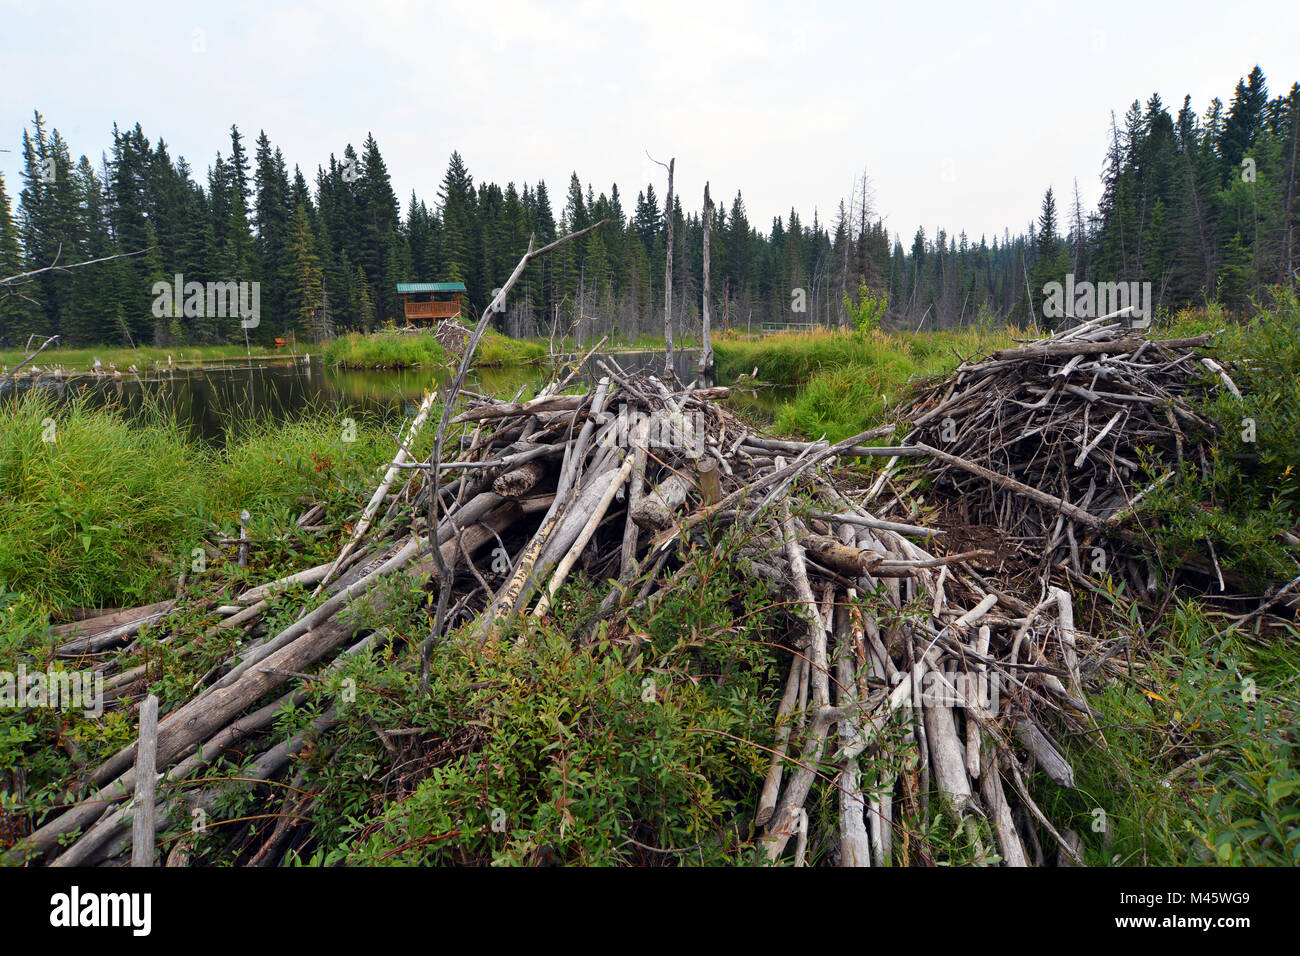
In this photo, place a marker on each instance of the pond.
(211, 398)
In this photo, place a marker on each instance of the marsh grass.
(96, 508)
(385, 350)
(850, 381)
(496, 350)
(1201, 764)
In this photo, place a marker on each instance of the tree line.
(1202, 206)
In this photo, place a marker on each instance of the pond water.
(211, 398)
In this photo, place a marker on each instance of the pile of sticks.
(908, 671)
(1057, 442)
(453, 337)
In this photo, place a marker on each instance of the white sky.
(961, 113)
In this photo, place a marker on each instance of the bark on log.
(841, 558)
(1048, 757)
(655, 509)
(520, 481)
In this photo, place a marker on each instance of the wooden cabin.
(430, 302)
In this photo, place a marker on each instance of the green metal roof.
(403, 287)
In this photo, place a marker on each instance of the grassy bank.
(100, 511)
(850, 381)
(496, 350)
(385, 350)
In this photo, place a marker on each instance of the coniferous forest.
(1203, 205)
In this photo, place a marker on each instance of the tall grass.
(1201, 763)
(92, 506)
(792, 358)
(495, 350)
(385, 351)
(851, 381)
(96, 510)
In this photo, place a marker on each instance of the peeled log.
(947, 756)
(999, 812)
(1048, 757)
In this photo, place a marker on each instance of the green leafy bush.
(1250, 492)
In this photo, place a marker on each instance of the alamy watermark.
(56, 690)
(216, 300)
(1088, 300)
(128, 910)
(673, 430)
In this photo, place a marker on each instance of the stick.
(146, 780)
(566, 565)
(394, 469)
(1042, 497)
(772, 784)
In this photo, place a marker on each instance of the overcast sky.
(961, 113)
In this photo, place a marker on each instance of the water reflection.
(211, 399)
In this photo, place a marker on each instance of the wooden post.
(244, 518)
(146, 779)
(710, 487)
(706, 345)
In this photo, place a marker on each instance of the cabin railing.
(432, 310)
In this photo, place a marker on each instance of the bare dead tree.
(706, 343)
(10, 284)
(27, 349)
(668, 270)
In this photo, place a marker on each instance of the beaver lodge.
(950, 670)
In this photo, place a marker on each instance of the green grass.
(1250, 493)
(385, 350)
(654, 342)
(87, 500)
(422, 350)
(495, 350)
(851, 382)
(792, 358)
(1207, 693)
(102, 512)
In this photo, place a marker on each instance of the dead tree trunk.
(706, 344)
(668, 277)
